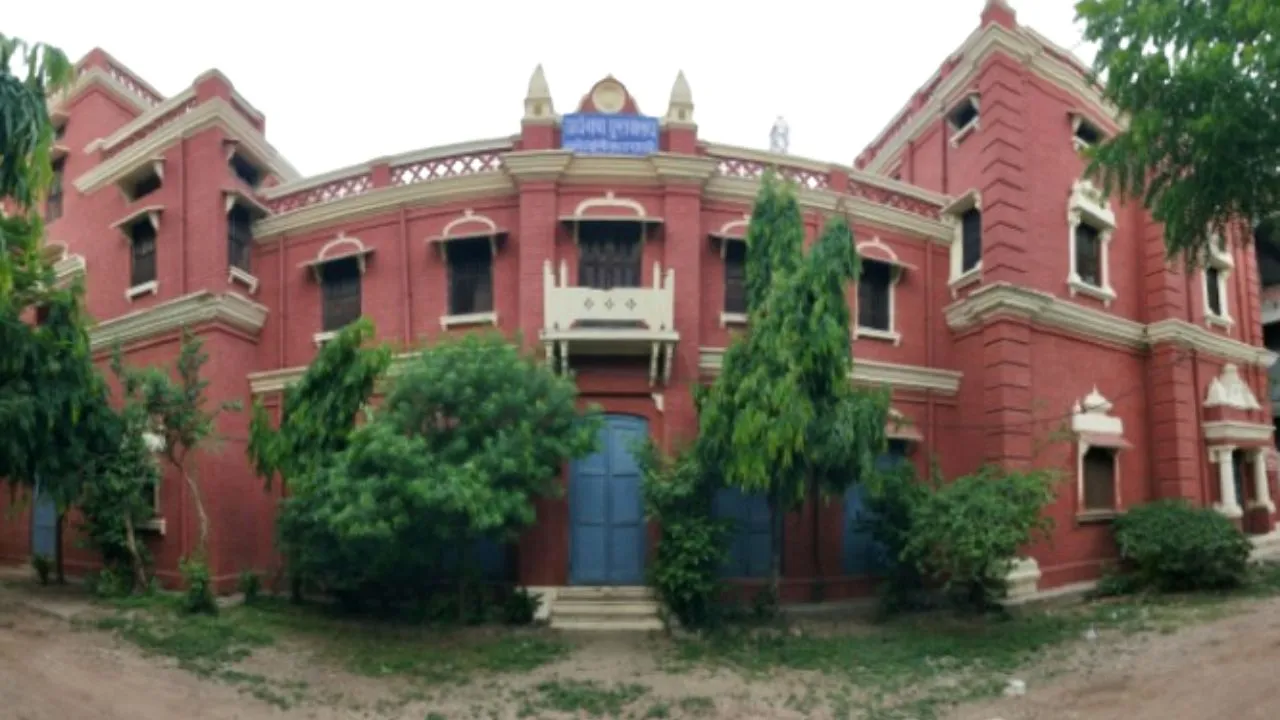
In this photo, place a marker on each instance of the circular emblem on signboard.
(609, 97)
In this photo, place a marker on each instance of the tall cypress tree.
(782, 418)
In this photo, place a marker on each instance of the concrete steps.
(606, 609)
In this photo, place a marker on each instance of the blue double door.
(607, 535)
(44, 525)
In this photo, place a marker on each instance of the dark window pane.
(1089, 254)
(53, 202)
(245, 170)
(971, 239)
(1213, 290)
(1088, 134)
(1099, 479)
(147, 185)
(143, 267)
(963, 114)
(470, 277)
(735, 276)
(340, 286)
(874, 286)
(609, 254)
(239, 237)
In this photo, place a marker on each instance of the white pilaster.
(1230, 504)
(1261, 489)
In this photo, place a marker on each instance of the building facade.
(1018, 316)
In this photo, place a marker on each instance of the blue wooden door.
(606, 515)
(862, 554)
(44, 525)
(750, 541)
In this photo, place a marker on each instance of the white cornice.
(69, 268)
(143, 120)
(1026, 47)
(1228, 430)
(97, 76)
(1048, 310)
(199, 307)
(870, 372)
(215, 111)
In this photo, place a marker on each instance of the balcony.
(620, 321)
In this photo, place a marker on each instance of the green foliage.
(175, 405)
(110, 583)
(686, 569)
(197, 598)
(782, 417)
(26, 134)
(893, 494)
(520, 607)
(966, 533)
(249, 585)
(43, 565)
(469, 435)
(1196, 82)
(587, 697)
(1171, 546)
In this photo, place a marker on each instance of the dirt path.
(1225, 669)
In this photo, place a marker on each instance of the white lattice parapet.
(619, 321)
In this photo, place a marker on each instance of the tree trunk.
(202, 545)
(818, 591)
(131, 541)
(61, 570)
(775, 542)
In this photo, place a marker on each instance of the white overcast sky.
(344, 82)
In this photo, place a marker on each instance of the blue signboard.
(599, 134)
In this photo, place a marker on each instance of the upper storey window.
(339, 269)
(963, 118)
(53, 201)
(1217, 274)
(470, 276)
(1084, 132)
(142, 245)
(965, 217)
(242, 210)
(609, 254)
(247, 170)
(877, 286)
(1090, 225)
(735, 278)
(144, 181)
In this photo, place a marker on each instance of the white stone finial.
(1094, 402)
(1093, 415)
(1231, 391)
(680, 108)
(780, 136)
(537, 101)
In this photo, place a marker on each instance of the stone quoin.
(1018, 315)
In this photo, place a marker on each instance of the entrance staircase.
(605, 609)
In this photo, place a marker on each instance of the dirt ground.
(50, 670)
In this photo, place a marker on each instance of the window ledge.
(1089, 517)
(321, 338)
(146, 288)
(235, 274)
(728, 318)
(1099, 292)
(1221, 321)
(1080, 145)
(154, 525)
(970, 277)
(480, 318)
(875, 334)
(964, 132)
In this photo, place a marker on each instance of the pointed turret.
(999, 12)
(680, 109)
(537, 101)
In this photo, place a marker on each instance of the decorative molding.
(196, 308)
(339, 248)
(1093, 415)
(244, 277)
(616, 208)
(1045, 309)
(97, 76)
(1236, 431)
(871, 372)
(1088, 206)
(478, 318)
(1228, 390)
(150, 287)
(213, 112)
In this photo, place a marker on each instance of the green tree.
(1197, 84)
(175, 404)
(782, 418)
(469, 435)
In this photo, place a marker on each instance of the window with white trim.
(1090, 226)
(1216, 276)
(1099, 482)
(470, 276)
(1084, 132)
(53, 200)
(142, 252)
(239, 238)
(965, 217)
(1100, 438)
(735, 277)
(340, 289)
(963, 118)
(875, 296)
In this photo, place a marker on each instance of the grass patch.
(585, 696)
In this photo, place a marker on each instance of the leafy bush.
(110, 583)
(693, 544)
(893, 493)
(520, 607)
(1171, 546)
(198, 596)
(43, 565)
(250, 585)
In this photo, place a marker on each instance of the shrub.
(110, 583)
(198, 597)
(686, 570)
(250, 585)
(1171, 546)
(965, 534)
(43, 565)
(892, 495)
(520, 607)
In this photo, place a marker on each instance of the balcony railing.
(620, 321)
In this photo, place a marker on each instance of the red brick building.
(1018, 316)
